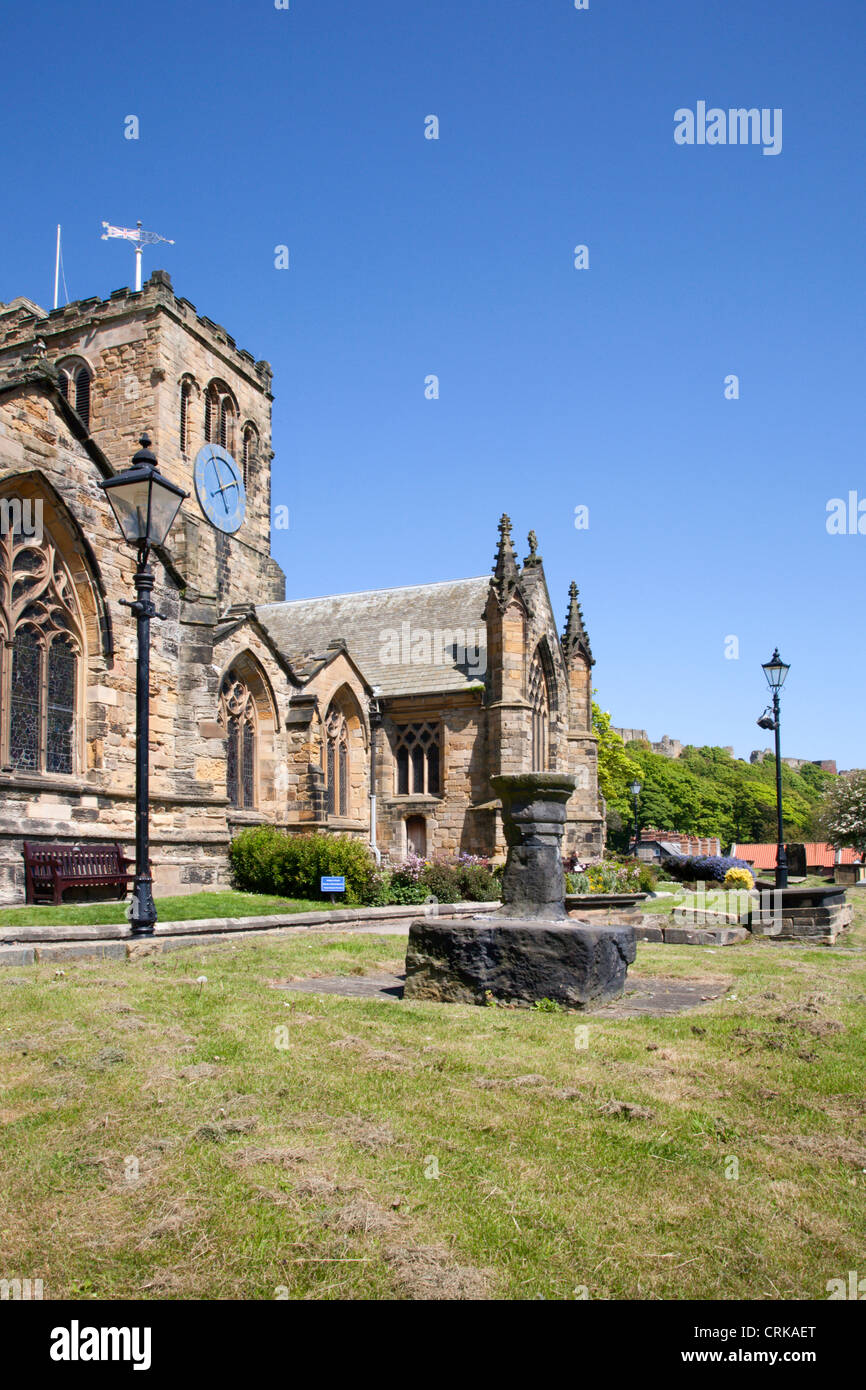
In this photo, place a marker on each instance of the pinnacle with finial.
(575, 637)
(505, 566)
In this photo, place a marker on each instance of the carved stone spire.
(505, 573)
(574, 638)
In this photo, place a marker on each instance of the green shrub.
(442, 882)
(404, 894)
(479, 883)
(266, 860)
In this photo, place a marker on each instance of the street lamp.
(775, 670)
(635, 790)
(145, 505)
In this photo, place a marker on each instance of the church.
(380, 714)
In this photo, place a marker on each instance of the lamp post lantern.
(775, 670)
(145, 505)
(635, 790)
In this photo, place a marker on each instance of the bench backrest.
(73, 861)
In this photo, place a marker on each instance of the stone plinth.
(574, 965)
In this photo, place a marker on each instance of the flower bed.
(266, 860)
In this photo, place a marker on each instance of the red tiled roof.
(818, 854)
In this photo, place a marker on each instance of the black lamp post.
(775, 670)
(144, 504)
(635, 790)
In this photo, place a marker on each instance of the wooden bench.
(50, 869)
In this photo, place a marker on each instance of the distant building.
(667, 747)
(797, 764)
(656, 845)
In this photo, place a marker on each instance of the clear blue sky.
(559, 387)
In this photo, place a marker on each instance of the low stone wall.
(21, 945)
(815, 914)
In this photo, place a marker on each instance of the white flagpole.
(57, 267)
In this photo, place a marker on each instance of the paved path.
(644, 995)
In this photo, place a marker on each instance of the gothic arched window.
(251, 450)
(219, 416)
(75, 382)
(417, 758)
(539, 699)
(40, 616)
(237, 715)
(338, 762)
(211, 413)
(185, 401)
(227, 425)
(26, 702)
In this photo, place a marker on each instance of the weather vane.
(140, 238)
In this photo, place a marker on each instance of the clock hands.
(221, 487)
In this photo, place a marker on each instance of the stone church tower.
(379, 714)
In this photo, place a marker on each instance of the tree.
(843, 812)
(615, 768)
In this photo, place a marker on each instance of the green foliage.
(615, 768)
(547, 1006)
(480, 884)
(704, 792)
(609, 877)
(403, 894)
(448, 883)
(266, 860)
(442, 881)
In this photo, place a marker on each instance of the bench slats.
(52, 868)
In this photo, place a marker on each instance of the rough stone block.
(648, 933)
(704, 936)
(460, 962)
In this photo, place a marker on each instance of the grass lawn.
(157, 1139)
(185, 909)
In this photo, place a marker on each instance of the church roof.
(406, 641)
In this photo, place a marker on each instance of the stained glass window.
(539, 699)
(24, 730)
(232, 761)
(337, 762)
(39, 608)
(238, 718)
(344, 778)
(61, 705)
(248, 764)
(332, 781)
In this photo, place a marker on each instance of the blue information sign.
(333, 884)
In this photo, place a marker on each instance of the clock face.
(219, 488)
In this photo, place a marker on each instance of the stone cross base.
(574, 965)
